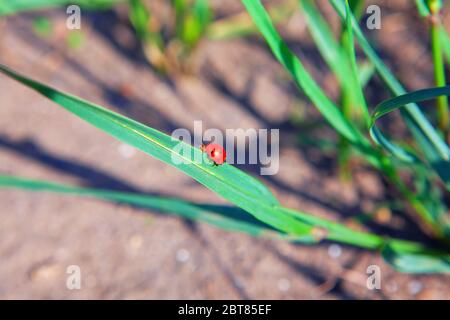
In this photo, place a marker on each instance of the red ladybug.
(215, 152)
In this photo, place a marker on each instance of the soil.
(129, 253)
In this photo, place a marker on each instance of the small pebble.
(126, 151)
(427, 294)
(284, 284)
(334, 251)
(45, 272)
(183, 255)
(136, 242)
(414, 287)
(392, 287)
(383, 215)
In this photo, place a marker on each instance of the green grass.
(254, 209)
(232, 184)
(168, 47)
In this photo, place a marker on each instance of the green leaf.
(387, 106)
(415, 260)
(337, 232)
(234, 185)
(196, 18)
(333, 54)
(225, 217)
(357, 7)
(353, 75)
(422, 8)
(445, 40)
(180, 8)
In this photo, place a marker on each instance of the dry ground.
(129, 253)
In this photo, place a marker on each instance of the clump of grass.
(170, 48)
(426, 159)
(435, 153)
(193, 21)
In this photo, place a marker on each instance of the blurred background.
(227, 82)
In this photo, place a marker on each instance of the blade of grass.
(350, 48)
(445, 39)
(234, 185)
(405, 256)
(180, 8)
(438, 65)
(357, 7)
(151, 40)
(396, 252)
(224, 217)
(339, 61)
(139, 18)
(353, 101)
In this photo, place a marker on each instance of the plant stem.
(424, 214)
(344, 152)
(439, 67)
(347, 102)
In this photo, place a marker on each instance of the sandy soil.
(128, 253)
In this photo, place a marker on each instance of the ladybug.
(215, 152)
